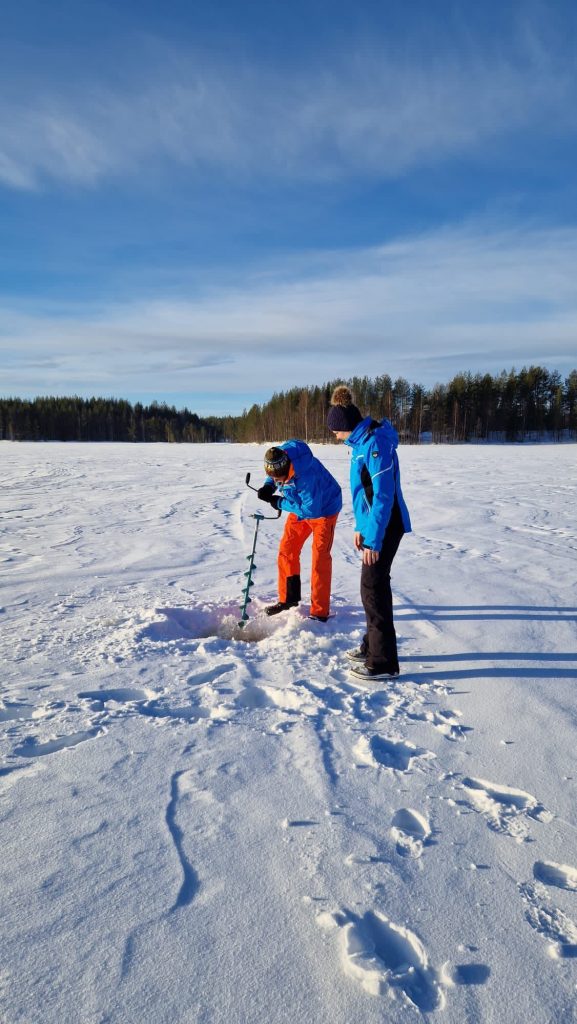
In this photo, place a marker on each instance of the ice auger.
(258, 516)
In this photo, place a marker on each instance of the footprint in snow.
(122, 695)
(506, 809)
(389, 752)
(324, 696)
(447, 722)
(561, 875)
(31, 748)
(15, 712)
(188, 713)
(386, 958)
(380, 705)
(549, 921)
(289, 699)
(411, 831)
(209, 675)
(145, 702)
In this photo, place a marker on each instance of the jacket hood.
(388, 432)
(299, 453)
(383, 431)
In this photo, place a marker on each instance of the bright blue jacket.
(375, 480)
(312, 491)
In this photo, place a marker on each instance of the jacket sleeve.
(381, 464)
(359, 499)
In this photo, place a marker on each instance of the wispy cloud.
(375, 110)
(422, 308)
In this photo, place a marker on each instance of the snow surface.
(205, 825)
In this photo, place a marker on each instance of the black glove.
(266, 492)
(275, 501)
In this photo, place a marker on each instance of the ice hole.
(251, 632)
(210, 620)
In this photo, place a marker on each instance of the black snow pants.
(380, 640)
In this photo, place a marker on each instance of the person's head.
(277, 463)
(343, 415)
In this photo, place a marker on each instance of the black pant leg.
(377, 598)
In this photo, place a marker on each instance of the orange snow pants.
(295, 533)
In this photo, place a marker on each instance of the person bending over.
(313, 499)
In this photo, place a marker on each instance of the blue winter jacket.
(312, 491)
(375, 480)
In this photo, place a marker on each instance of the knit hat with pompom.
(343, 414)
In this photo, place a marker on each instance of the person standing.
(313, 499)
(381, 519)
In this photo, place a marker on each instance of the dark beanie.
(343, 415)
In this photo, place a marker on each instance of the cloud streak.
(423, 308)
(373, 111)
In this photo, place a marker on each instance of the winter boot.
(280, 606)
(356, 654)
(293, 596)
(293, 590)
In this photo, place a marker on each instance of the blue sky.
(204, 202)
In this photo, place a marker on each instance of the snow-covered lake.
(205, 826)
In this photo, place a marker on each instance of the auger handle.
(259, 515)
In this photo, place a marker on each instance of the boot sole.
(279, 611)
(377, 675)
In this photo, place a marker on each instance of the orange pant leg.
(322, 564)
(294, 535)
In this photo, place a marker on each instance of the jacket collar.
(359, 432)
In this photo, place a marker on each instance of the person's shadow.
(439, 612)
(542, 664)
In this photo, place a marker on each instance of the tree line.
(100, 419)
(532, 404)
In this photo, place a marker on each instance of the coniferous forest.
(99, 419)
(530, 405)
